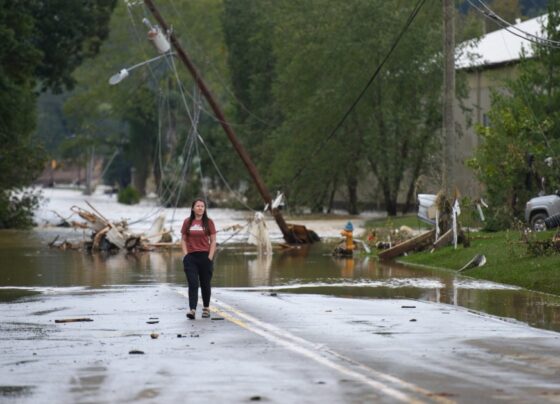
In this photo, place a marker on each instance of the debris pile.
(536, 246)
(108, 236)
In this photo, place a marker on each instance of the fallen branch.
(51, 244)
(73, 320)
(97, 223)
(64, 220)
(79, 225)
(98, 237)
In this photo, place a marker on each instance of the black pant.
(198, 267)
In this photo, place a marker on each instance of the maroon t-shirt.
(197, 239)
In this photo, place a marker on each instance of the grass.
(508, 261)
(394, 222)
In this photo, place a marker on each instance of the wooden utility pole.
(289, 236)
(448, 98)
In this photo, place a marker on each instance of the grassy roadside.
(395, 222)
(507, 261)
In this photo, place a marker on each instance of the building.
(487, 63)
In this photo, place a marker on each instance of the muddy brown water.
(27, 265)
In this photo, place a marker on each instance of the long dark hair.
(205, 224)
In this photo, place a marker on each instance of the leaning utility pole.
(289, 235)
(448, 98)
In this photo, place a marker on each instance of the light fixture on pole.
(124, 73)
(160, 42)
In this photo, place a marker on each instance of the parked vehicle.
(541, 212)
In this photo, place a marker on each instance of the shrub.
(16, 208)
(128, 196)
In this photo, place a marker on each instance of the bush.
(128, 196)
(16, 208)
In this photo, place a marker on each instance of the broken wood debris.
(136, 352)
(73, 320)
(412, 244)
(444, 240)
(112, 236)
(54, 241)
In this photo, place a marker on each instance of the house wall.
(473, 113)
(68, 173)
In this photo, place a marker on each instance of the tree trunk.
(89, 172)
(391, 207)
(331, 198)
(409, 197)
(352, 186)
(139, 178)
(390, 199)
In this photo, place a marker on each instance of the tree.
(42, 43)
(19, 160)
(67, 34)
(524, 131)
(146, 116)
(325, 55)
(248, 37)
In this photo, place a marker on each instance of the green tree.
(145, 115)
(20, 161)
(326, 52)
(248, 31)
(525, 129)
(42, 43)
(67, 34)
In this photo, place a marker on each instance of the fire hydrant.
(347, 233)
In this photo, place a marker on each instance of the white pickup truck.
(541, 211)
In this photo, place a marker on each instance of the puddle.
(10, 295)
(15, 391)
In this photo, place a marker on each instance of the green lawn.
(507, 261)
(397, 221)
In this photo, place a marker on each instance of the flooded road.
(300, 325)
(28, 266)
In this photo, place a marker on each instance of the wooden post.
(265, 194)
(448, 99)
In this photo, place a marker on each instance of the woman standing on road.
(198, 241)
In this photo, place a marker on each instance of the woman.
(198, 241)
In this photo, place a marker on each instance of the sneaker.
(206, 312)
(190, 314)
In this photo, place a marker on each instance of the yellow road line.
(313, 351)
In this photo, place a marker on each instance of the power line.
(320, 147)
(512, 28)
(221, 79)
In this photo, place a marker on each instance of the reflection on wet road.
(29, 266)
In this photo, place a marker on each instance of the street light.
(124, 73)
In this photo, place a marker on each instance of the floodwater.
(29, 266)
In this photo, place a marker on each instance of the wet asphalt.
(265, 346)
